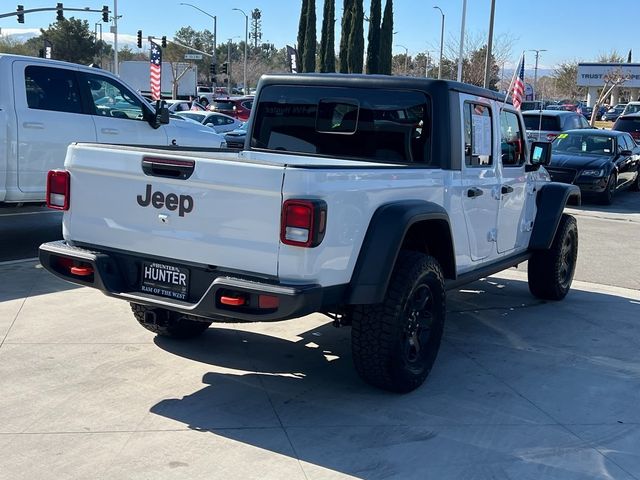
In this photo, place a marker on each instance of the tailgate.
(225, 214)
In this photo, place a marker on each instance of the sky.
(567, 29)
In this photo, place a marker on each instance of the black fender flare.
(551, 200)
(381, 245)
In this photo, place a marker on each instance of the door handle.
(474, 192)
(506, 189)
(110, 131)
(36, 125)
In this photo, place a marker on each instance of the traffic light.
(105, 13)
(139, 39)
(20, 11)
(225, 68)
(59, 12)
(212, 69)
(164, 42)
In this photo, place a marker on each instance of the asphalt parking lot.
(521, 389)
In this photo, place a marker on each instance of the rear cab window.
(383, 125)
(542, 122)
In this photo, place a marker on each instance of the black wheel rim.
(419, 321)
(567, 260)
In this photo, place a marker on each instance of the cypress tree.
(309, 57)
(302, 31)
(386, 39)
(356, 39)
(327, 53)
(344, 35)
(373, 40)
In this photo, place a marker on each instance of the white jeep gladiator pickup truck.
(362, 197)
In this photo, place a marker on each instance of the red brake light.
(303, 222)
(551, 136)
(58, 189)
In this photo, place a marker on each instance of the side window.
(630, 141)
(112, 99)
(52, 89)
(584, 123)
(478, 135)
(511, 140)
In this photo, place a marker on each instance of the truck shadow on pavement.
(512, 373)
(29, 279)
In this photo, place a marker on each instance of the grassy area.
(606, 125)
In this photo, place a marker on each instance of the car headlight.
(593, 173)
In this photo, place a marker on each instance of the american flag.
(155, 70)
(518, 86)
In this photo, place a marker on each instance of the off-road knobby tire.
(379, 333)
(167, 323)
(550, 272)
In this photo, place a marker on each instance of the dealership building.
(594, 76)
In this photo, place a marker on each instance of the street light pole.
(215, 26)
(464, 17)
(115, 36)
(488, 60)
(246, 40)
(535, 72)
(441, 42)
(406, 57)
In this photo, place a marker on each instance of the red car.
(236, 107)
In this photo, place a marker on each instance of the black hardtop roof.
(377, 81)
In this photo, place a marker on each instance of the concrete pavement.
(521, 389)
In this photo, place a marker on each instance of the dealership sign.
(597, 74)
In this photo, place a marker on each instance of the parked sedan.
(600, 162)
(613, 113)
(220, 122)
(236, 138)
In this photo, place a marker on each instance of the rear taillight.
(58, 189)
(551, 137)
(303, 222)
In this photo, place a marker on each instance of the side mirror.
(626, 153)
(540, 155)
(161, 117)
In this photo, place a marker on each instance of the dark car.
(545, 125)
(612, 114)
(600, 162)
(236, 138)
(239, 107)
(630, 124)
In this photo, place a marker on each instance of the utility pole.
(535, 73)
(114, 30)
(246, 41)
(229, 68)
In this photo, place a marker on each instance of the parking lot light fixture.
(246, 40)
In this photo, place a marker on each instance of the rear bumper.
(118, 274)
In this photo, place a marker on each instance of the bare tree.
(612, 79)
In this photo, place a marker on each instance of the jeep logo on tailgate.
(172, 202)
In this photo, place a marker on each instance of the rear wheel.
(395, 343)
(551, 271)
(167, 323)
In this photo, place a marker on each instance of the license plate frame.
(165, 280)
